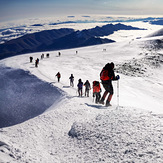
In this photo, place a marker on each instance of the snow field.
(76, 129)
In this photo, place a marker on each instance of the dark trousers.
(97, 96)
(58, 79)
(80, 91)
(108, 89)
(71, 83)
(87, 92)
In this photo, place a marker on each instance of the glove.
(117, 77)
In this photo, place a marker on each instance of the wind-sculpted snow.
(119, 136)
(23, 96)
(156, 33)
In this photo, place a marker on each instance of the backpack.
(96, 86)
(87, 85)
(106, 73)
(58, 75)
(80, 85)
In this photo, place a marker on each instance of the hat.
(112, 64)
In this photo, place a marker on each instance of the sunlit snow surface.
(77, 129)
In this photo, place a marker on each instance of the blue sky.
(16, 9)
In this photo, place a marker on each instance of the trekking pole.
(117, 94)
(76, 92)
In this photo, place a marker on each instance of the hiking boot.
(101, 102)
(108, 103)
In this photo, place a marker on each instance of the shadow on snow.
(23, 96)
(97, 106)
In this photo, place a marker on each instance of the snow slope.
(23, 96)
(76, 129)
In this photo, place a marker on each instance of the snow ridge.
(119, 136)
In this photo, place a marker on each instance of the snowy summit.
(45, 121)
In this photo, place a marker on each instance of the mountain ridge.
(63, 38)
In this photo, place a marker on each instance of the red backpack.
(96, 86)
(104, 75)
(107, 72)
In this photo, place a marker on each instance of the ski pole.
(117, 94)
(76, 92)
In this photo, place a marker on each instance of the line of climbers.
(42, 57)
(107, 75)
(37, 60)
